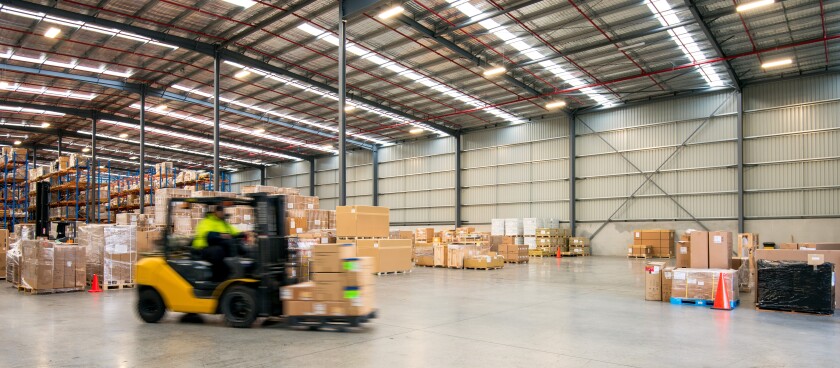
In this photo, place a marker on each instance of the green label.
(349, 265)
(351, 294)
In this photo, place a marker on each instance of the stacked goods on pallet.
(699, 286)
(497, 227)
(796, 290)
(549, 240)
(793, 286)
(579, 246)
(240, 217)
(341, 285)
(706, 250)
(440, 254)
(111, 253)
(269, 190)
(302, 244)
(513, 227)
(48, 267)
(424, 254)
(368, 228)
(4, 245)
(513, 250)
(426, 235)
(387, 255)
(15, 252)
(162, 198)
(485, 261)
(659, 241)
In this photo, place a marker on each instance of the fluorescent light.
(494, 71)
(45, 125)
(243, 3)
(242, 74)
(176, 145)
(416, 130)
(753, 4)
(162, 107)
(132, 158)
(633, 46)
(4, 84)
(17, 143)
(124, 135)
(86, 149)
(555, 104)
(52, 32)
(329, 147)
(391, 12)
(259, 130)
(776, 63)
(349, 107)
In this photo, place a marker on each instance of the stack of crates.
(548, 241)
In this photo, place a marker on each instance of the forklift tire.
(150, 306)
(239, 305)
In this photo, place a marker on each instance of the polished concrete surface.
(574, 312)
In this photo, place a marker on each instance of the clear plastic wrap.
(120, 255)
(795, 286)
(702, 284)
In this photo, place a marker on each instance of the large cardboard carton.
(653, 280)
(640, 250)
(389, 255)
(302, 291)
(720, 249)
(683, 254)
(4, 240)
(692, 283)
(667, 283)
(484, 261)
(829, 256)
(329, 257)
(441, 255)
(298, 308)
(356, 221)
(147, 240)
(788, 246)
(699, 250)
(819, 246)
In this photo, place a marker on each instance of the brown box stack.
(701, 284)
(640, 251)
(662, 241)
(579, 246)
(50, 266)
(653, 280)
(514, 252)
(342, 285)
(362, 221)
(425, 235)
(388, 255)
(699, 250)
(720, 249)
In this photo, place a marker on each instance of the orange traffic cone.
(94, 286)
(722, 301)
(558, 252)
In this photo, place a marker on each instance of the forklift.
(179, 281)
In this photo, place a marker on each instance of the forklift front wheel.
(150, 305)
(239, 305)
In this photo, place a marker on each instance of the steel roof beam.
(460, 51)
(488, 15)
(715, 45)
(210, 50)
(265, 23)
(155, 92)
(88, 114)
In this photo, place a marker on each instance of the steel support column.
(34, 157)
(375, 175)
(93, 170)
(572, 181)
(458, 180)
(262, 175)
(142, 150)
(740, 155)
(342, 115)
(311, 176)
(217, 66)
(59, 143)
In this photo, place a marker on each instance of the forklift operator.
(214, 240)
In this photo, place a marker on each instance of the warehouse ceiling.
(432, 68)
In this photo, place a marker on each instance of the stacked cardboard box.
(387, 255)
(579, 246)
(458, 252)
(424, 235)
(513, 227)
(709, 250)
(424, 254)
(513, 253)
(162, 198)
(653, 280)
(660, 240)
(548, 240)
(4, 247)
(47, 266)
(341, 285)
(702, 284)
(640, 251)
(111, 252)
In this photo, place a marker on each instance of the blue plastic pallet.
(701, 302)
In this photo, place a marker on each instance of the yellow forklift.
(179, 281)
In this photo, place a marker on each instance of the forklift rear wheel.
(239, 305)
(150, 306)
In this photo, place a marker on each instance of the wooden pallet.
(540, 253)
(361, 238)
(700, 302)
(336, 323)
(524, 261)
(115, 285)
(391, 273)
(643, 256)
(27, 290)
(484, 268)
(792, 312)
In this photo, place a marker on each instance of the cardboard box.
(329, 257)
(667, 283)
(345, 250)
(441, 255)
(389, 255)
(427, 234)
(819, 246)
(367, 221)
(639, 250)
(790, 246)
(147, 240)
(484, 261)
(425, 260)
(298, 308)
(829, 256)
(302, 291)
(328, 290)
(720, 249)
(653, 280)
(683, 254)
(701, 284)
(699, 250)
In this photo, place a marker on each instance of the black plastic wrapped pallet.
(795, 286)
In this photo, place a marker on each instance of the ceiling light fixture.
(243, 3)
(17, 143)
(753, 4)
(494, 71)
(132, 158)
(4, 84)
(776, 63)
(259, 130)
(45, 125)
(162, 107)
(52, 32)
(416, 130)
(390, 12)
(555, 104)
(349, 108)
(86, 149)
(242, 74)
(633, 46)
(124, 135)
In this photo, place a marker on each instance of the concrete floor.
(574, 312)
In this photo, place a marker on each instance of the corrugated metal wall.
(243, 179)
(792, 148)
(613, 146)
(417, 181)
(359, 179)
(289, 175)
(516, 171)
